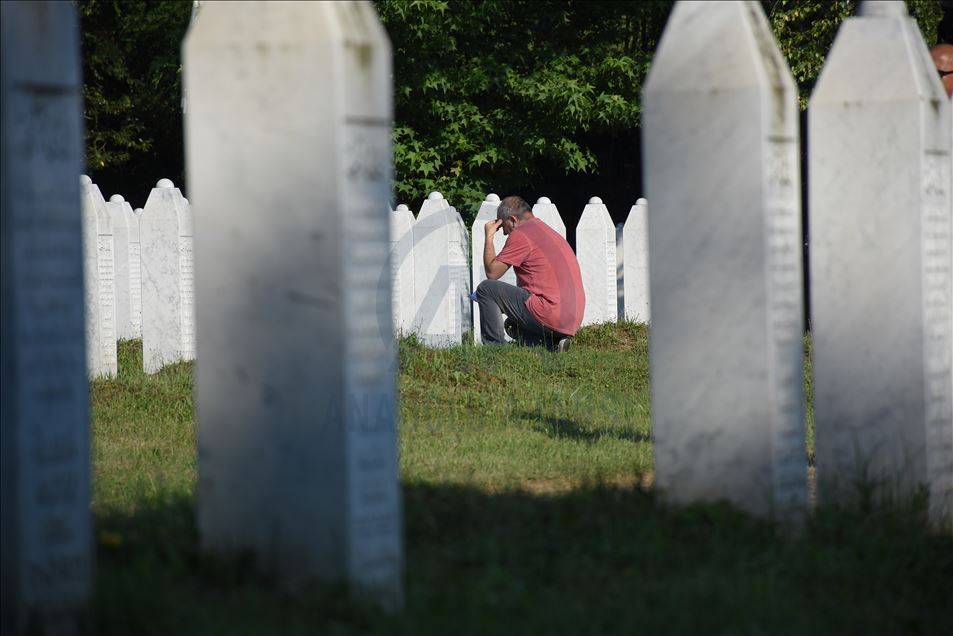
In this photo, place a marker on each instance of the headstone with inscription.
(547, 211)
(619, 271)
(135, 271)
(486, 213)
(726, 352)
(441, 274)
(880, 264)
(296, 380)
(116, 206)
(99, 266)
(46, 548)
(595, 250)
(402, 269)
(461, 273)
(635, 239)
(167, 278)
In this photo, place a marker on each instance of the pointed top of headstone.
(546, 211)
(595, 201)
(487, 211)
(433, 203)
(403, 208)
(883, 9)
(85, 180)
(116, 198)
(186, 200)
(895, 60)
(641, 201)
(138, 211)
(164, 183)
(711, 49)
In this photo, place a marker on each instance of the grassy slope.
(524, 513)
(509, 417)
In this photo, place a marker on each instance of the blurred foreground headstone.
(288, 139)
(721, 172)
(880, 264)
(46, 574)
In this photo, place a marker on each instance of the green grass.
(510, 417)
(144, 433)
(525, 510)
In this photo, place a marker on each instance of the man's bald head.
(942, 55)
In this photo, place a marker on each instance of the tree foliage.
(132, 90)
(488, 93)
(805, 30)
(492, 94)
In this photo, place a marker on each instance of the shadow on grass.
(595, 560)
(562, 428)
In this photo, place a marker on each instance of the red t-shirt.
(547, 268)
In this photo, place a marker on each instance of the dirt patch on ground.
(563, 485)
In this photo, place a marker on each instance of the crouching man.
(546, 306)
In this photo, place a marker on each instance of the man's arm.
(493, 266)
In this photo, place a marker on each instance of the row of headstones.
(139, 280)
(297, 428)
(431, 279)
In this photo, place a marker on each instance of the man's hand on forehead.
(492, 226)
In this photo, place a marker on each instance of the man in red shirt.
(547, 305)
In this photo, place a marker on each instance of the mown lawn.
(528, 510)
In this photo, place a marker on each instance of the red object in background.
(943, 58)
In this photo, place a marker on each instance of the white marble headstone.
(441, 274)
(434, 201)
(167, 278)
(402, 269)
(99, 258)
(880, 264)
(486, 213)
(135, 271)
(548, 213)
(290, 162)
(46, 547)
(460, 270)
(726, 348)
(121, 231)
(619, 271)
(595, 250)
(635, 239)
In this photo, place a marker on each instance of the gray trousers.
(497, 298)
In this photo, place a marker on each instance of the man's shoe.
(509, 326)
(563, 345)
